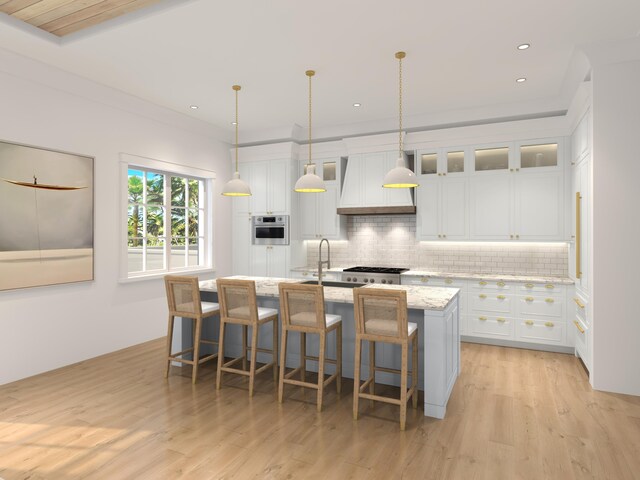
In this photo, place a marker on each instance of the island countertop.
(418, 297)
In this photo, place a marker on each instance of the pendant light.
(236, 187)
(400, 176)
(310, 182)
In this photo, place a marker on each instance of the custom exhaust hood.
(362, 191)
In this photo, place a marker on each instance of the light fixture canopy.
(310, 182)
(236, 187)
(400, 176)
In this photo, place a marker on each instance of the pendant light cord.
(236, 89)
(310, 74)
(400, 56)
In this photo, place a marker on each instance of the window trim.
(128, 161)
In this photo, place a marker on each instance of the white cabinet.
(538, 206)
(442, 208)
(270, 183)
(579, 267)
(362, 186)
(269, 261)
(490, 207)
(240, 246)
(318, 217)
(581, 139)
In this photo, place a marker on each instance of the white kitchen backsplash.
(390, 240)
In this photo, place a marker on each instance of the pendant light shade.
(400, 176)
(236, 187)
(310, 182)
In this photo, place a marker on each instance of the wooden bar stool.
(238, 306)
(381, 316)
(302, 308)
(183, 296)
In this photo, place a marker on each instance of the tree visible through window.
(165, 221)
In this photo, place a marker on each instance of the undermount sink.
(335, 284)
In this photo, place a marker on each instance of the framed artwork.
(46, 217)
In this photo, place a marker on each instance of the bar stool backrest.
(302, 305)
(183, 295)
(381, 312)
(237, 300)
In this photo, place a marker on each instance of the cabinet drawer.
(416, 280)
(490, 285)
(490, 326)
(447, 282)
(541, 289)
(580, 307)
(491, 302)
(541, 331)
(582, 343)
(541, 307)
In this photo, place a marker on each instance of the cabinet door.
(328, 220)
(427, 209)
(538, 206)
(583, 172)
(374, 170)
(259, 266)
(277, 261)
(259, 187)
(453, 208)
(241, 245)
(352, 185)
(278, 186)
(490, 207)
(307, 213)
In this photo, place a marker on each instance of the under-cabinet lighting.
(496, 244)
(523, 46)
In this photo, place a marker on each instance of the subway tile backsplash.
(391, 241)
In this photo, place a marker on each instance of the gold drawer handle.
(424, 279)
(501, 320)
(549, 286)
(448, 280)
(580, 329)
(528, 285)
(482, 295)
(529, 322)
(501, 284)
(501, 297)
(482, 318)
(548, 324)
(529, 299)
(549, 300)
(482, 283)
(578, 302)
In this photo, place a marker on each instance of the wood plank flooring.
(514, 414)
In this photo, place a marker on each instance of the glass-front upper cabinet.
(428, 163)
(454, 161)
(491, 158)
(534, 155)
(324, 168)
(442, 162)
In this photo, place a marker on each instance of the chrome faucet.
(320, 261)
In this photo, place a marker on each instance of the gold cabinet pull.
(448, 281)
(529, 299)
(501, 320)
(482, 283)
(501, 297)
(550, 286)
(548, 324)
(578, 236)
(528, 285)
(549, 300)
(578, 302)
(482, 295)
(529, 322)
(580, 329)
(482, 318)
(424, 279)
(501, 284)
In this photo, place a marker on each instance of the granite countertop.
(491, 277)
(418, 297)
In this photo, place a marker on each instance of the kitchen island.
(434, 309)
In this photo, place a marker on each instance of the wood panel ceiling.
(63, 17)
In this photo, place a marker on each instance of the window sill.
(156, 276)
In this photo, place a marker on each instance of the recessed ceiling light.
(193, 107)
(523, 46)
(357, 104)
(521, 80)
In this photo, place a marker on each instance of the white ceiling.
(461, 57)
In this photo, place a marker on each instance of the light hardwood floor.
(514, 414)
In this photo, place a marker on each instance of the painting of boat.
(46, 223)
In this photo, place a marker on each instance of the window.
(167, 224)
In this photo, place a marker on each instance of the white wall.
(48, 327)
(616, 226)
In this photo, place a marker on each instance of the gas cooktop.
(391, 270)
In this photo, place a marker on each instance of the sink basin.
(335, 284)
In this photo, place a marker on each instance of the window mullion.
(167, 221)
